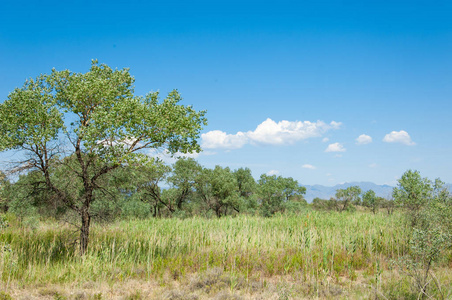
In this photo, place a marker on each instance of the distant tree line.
(186, 189)
(352, 197)
(157, 190)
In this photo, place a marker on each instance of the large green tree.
(276, 192)
(96, 118)
(216, 190)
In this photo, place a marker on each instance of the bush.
(134, 209)
(428, 208)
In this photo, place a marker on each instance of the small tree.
(412, 193)
(276, 191)
(182, 181)
(388, 204)
(429, 209)
(95, 117)
(371, 201)
(348, 196)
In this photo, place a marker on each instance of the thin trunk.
(84, 230)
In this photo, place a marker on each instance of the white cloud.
(373, 165)
(335, 125)
(399, 137)
(220, 139)
(272, 172)
(308, 166)
(336, 147)
(325, 139)
(268, 132)
(363, 139)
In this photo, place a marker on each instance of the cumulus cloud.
(220, 139)
(336, 147)
(272, 172)
(268, 132)
(401, 137)
(308, 166)
(363, 139)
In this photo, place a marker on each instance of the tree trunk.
(217, 209)
(84, 230)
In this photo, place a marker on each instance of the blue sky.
(288, 86)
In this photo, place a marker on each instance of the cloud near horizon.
(401, 137)
(268, 133)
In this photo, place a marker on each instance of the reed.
(312, 245)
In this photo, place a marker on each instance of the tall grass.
(311, 245)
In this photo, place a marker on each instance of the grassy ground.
(312, 255)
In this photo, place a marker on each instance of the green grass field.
(311, 255)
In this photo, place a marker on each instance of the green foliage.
(134, 209)
(27, 197)
(276, 191)
(412, 193)
(5, 296)
(140, 182)
(4, 185)
(347, 197)
(101, 126)
(429, 209)
(388, 204)
(371, 201)
(3, 222)
(322, 204)
(182, 182)
(245, 182)
(30, 116)
(217, 191)
(247, 189)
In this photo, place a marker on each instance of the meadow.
(311, 255)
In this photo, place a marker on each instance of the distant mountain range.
(326, 192)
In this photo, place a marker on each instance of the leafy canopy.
(99, 115)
